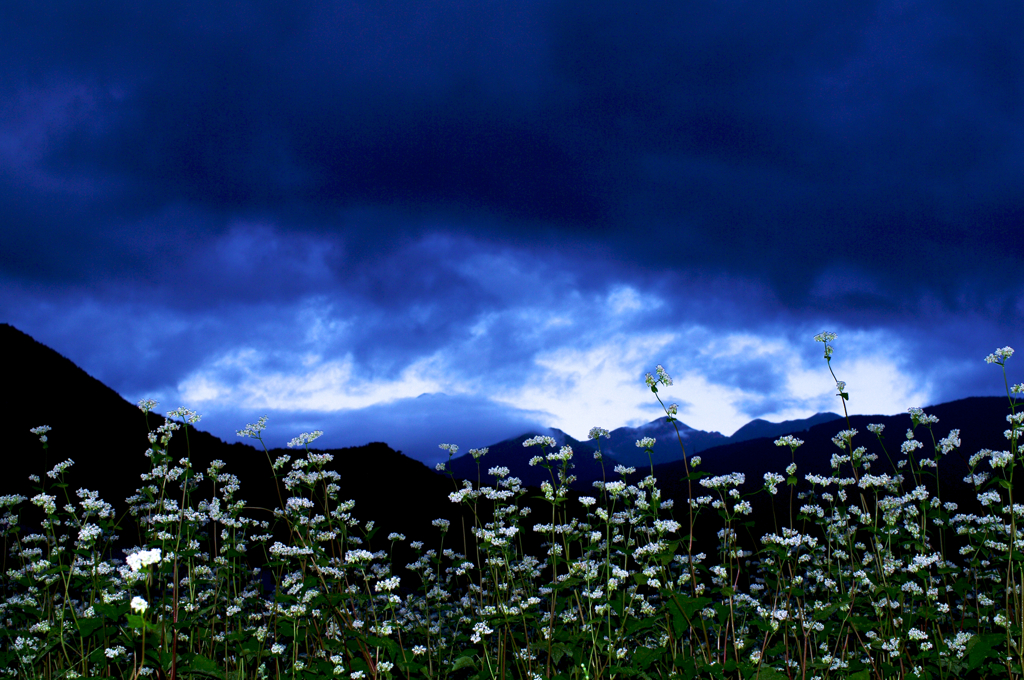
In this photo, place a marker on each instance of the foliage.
(859, 590)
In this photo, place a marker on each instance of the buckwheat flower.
(910, 446)
(623, 470)
(46, 502)
(139, 605)
(11, 500)
(499, 472)
(919, 417)
(999, 356)
(143, 558)
(826, 337)
(188, 415)
(587, 501)
(564, 453)
(89, 533)
(1000, 459)
(41, 432)
(772, 480)
(355, 556)
(59, 468)
(790, 441)
(598, 432)
(479, 630)
(536, 460)
(396, 537)
(542, 441)
(951, 442)
(419, 649)
(114, 652)
(357, 675)
(663, 526)
(843, 438)
(277, 648)
(147, 405)
(645, 443)
(731, 479)
(478, 453)
(253, 429)
(305, 438)
(319, 460)
(388, 584)
(988, 498)
(695, 461)
(442, 524)
(791, 469)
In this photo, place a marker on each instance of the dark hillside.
(108, 440)
(981, 421)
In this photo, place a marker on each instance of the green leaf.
(467, 661)
(769, 673)
(559, 650)
(644, 657)
(108, 610)
(200, 665)
(979, 649)
(89, 626)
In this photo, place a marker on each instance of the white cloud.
(597, 387)
(317, 386)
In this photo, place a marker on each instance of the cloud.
(323, 210)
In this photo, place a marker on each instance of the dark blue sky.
(451, 221)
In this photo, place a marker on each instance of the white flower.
(144, 558)
(139, 605)
(999, 356)
(45, 501)
(304, 438)
(479, 630)
(89, 533)
(387, 584)
(59, 469)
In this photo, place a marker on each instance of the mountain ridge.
(107, 440)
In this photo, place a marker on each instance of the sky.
(452, 222)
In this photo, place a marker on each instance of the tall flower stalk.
(848, 587)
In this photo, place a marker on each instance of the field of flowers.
(852, 583)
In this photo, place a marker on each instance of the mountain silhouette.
(107, 438)
(619, 448)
